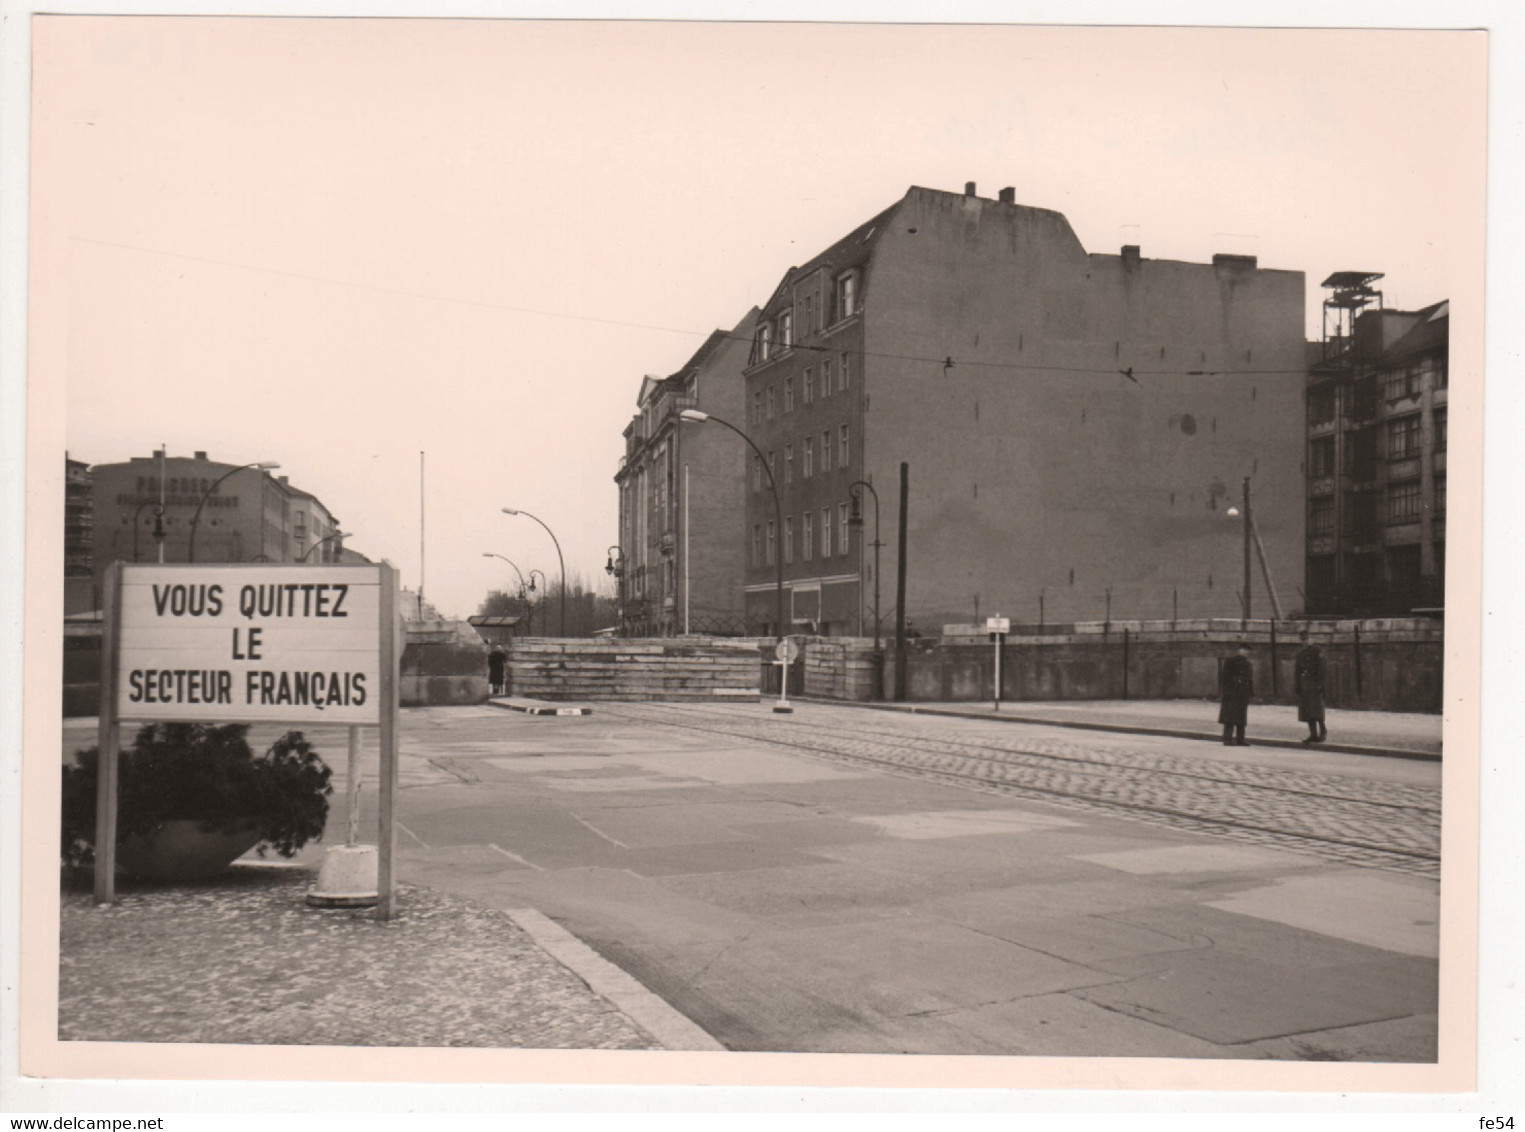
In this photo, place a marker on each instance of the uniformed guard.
(1237, 685)
(1308, 682)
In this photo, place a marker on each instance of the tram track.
(1351, 820)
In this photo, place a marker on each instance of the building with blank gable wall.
(1077, 425)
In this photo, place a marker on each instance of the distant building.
(245, 514)
(1377, 407)
(1076, 424)
(79, 520)
(682, 500)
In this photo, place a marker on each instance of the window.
(1403, 501)
(1440, 494)
(1321, 457)
(773, 467)
(756, 473)
(842, 539)
(757, 544)
(1442, 373)
(825, 532)
(1321, 516)
(842, 447)
(765, 342)
(772, 543)
(789, 538)
(807, 323)
(789, 394)
(772, 403)
(788, 463)
(847, 371)
(785, 329)
(1320, 406)
(757, 407)
(809, 392)
(807, 535)
(809, 462)
(1403, 437)
(1440, 429)
(1404, 381)
(847, 294)
(826, 451)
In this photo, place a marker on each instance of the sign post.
(784, 654)
(237, 643)
(998, 627)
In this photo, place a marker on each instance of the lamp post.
(326, 538)
(699, 417)
(158, 523)
(615, 568)
(262, 465)
(856, 520)
(1233, 511)
(559, 558)
(523, 600)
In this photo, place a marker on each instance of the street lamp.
(158, 523)
(699, 417)
(522, 599)
(559, 558)
(327, 538)
(856, 520)
(615, 568)
(262, 465)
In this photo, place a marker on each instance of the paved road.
(776, 882)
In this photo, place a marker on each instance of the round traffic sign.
(786, 650)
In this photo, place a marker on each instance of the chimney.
(201, 455)
(1234, 262)
(969, 188)
(1131, 255)
(1008, 195)
(284, 479)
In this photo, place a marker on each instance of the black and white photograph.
(752, 552)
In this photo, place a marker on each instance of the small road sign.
(998, 624)
(787, 650)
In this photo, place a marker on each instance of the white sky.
(336, 244)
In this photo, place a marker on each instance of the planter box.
(182, 850)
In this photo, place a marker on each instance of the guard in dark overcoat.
(1238, 685)
(1308, 682)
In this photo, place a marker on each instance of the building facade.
(1378, 394)
(1075, 425)
(679, 565)
(79, 523)
(216, 512)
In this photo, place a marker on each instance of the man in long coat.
(1308, 682)
(1238, 685)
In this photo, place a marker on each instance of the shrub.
(202, 772)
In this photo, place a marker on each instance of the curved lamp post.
(262, 465)
(544, 586)
(699, 417)
(856, 520)
(559, 558)
(306, 554)
(524, 601)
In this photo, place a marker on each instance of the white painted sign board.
(249, 644)
(998, 624)
(288, 644)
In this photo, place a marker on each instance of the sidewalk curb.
(649, 1011)
(1130, 729)
(538, 707)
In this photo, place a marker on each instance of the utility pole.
(1247, 541)
(900, 681)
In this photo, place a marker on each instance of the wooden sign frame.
(109, 731)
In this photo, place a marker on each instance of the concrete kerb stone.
(1131, 729)
(674, 1030)
(538, 707)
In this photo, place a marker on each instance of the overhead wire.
(947, 362)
